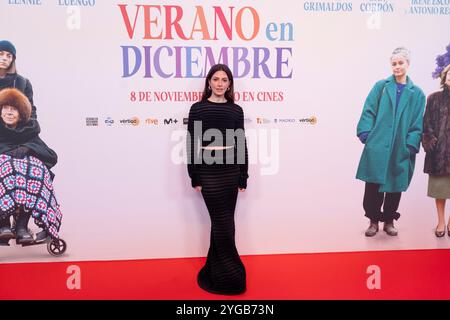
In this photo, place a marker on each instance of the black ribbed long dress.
(220, 177)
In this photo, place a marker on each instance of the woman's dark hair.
(12, 68)
(229, 94)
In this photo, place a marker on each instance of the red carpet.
(418, 274)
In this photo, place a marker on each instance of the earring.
(209, 87)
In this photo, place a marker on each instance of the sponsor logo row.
(135, 121)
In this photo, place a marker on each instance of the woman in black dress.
(218, 169)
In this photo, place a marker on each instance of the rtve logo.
(152, 121)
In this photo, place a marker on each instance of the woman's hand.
(429, 142)
(241, 189)
(198, 188)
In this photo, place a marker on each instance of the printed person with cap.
(390, 128)
(26, 186)
(9, 78)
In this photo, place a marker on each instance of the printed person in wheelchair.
(26, 182)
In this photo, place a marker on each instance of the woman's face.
(6, 59)
(10, 116)
(219, 83)
(399, 66)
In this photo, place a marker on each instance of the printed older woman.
(26, 187)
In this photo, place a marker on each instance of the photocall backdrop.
(113, 83)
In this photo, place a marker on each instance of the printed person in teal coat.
(391, 129)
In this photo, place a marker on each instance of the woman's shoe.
(6, 233)
(390, 229)
(372, 229)
(440, 234)
(23, 236)
(5, 230)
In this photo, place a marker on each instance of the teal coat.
(386, 159)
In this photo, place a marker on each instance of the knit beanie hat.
(5, 45)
